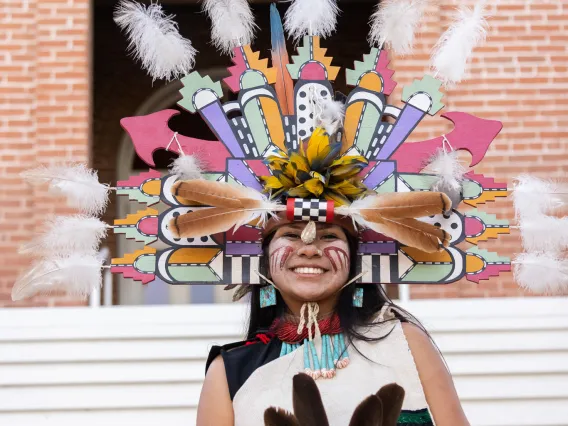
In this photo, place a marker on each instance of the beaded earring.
(358, 297)
(267, 296)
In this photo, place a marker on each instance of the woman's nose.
(309, 251)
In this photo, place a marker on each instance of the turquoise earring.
(267, 296)
(358, 297)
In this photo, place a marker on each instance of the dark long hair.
(352, 319)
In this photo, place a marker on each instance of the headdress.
(291, 146)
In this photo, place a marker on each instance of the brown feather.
(241, 292)
(368, 413)
(392, 397)
(413, 233)
(208, 221)
(308, 406)
(216, 194)
(279, 417)
(404, 205)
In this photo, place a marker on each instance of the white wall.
(144, 365)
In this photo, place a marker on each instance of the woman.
(245, 378)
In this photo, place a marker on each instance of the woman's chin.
(312, 291)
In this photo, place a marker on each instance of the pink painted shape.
(488, 272)
(313, 71)
(244, 233)
(151, 132)
(367, 169)
(470, 133)
(369, 235)
(148, 225)
(233, 81)
(473, 226)
(137, 180)
(258, 167)
(386, 73)
(486, 182)
(131, 272)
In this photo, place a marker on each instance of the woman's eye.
(329, 237)
(292, 236)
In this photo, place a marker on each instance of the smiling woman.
(308, 318)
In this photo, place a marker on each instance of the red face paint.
(338, 258)
(279, 257)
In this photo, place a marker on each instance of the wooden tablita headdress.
(292, 148)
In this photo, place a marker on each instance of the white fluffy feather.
(66, 235)
(331, 115)
(449, 172)
(453, 50)
(311, 17)
(533, 197)
(232, 23)
(544, 233)
(155, 40)
(79, 184)
(76, 275)
(541, 273)
(395, 22)
(186, 167)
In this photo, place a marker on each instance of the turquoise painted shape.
(369, 121)
(188, 274)
(369, 63)
(304, 55)
(132, 233)
(253, 114)
(429, 85)
(137, 195)
(192, 83)
(428, 273)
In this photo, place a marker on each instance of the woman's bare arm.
(436, 381)
(215, 405)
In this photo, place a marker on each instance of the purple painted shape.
(238, 169)
(219, 123)
(379, 174)
(148, 225)
(240, 249)
(380, 248)
(473, 226)
(313, 71)
(488, 272)
(409, 117)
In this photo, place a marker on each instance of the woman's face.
(309, 272)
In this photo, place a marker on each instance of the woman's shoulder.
(241, 359)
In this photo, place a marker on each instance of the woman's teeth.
(308, 270)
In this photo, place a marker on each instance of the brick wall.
(45, 105)
(44, 117)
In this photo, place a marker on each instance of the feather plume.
(79, 184)
(155, 40)
(533, 197)
(394, 24)
(221, 194)
(209, 221)
(76, 275)
(232, 23)
(546, 233)
(186, 167)
(541, 273)
(392, 397)
(331, 116)
(279, 417)
(454, 49)
(397, 205)
(306, 399)
(311, 17)
(368, 413)
(66, 235)
(284, 85)
(450, 174)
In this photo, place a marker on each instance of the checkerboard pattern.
(310, 209)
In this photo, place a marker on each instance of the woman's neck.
(326, 308)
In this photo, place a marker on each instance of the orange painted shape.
(488, 234)
(273, 118)
(473, 264)
(193, 255)
(319, 55)
(130, 258)
(133, 219)
(352, 117)
(261, 65)
(485, 197)
(152, 187)
(371, 81)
